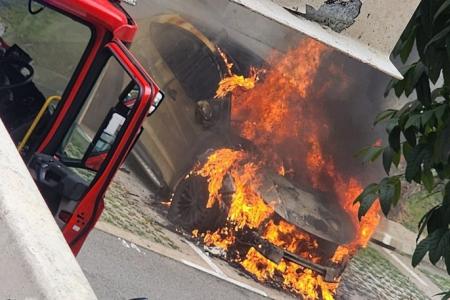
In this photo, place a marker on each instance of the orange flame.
(229, 65)
(283, 117)
(217, 166)
(296, 279)
(233, 81)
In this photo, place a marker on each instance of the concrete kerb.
(397, 236)
(35, 261)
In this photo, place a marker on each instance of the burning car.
(272, 211)
(254, 203)
(257, 146)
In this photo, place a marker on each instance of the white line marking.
(135, 247)
(406, 267)
(124, 243)
(225, 278)
(206, 259)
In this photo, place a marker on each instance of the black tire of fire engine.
(188, 209)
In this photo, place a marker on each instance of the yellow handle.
(36, 121)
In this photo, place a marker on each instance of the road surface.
(119, 270)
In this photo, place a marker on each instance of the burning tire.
(259, 216)
(189, 206)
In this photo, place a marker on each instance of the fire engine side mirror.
(104, 141)
(110, 128)
(132, 92)
(156, 103)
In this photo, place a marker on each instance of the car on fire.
(202, 126)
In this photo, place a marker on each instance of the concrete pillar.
(35, 260)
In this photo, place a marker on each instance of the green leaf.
(426, 117)
(446, 198)
(409, 30)
(389, 87)
(446, 70)
(413, 76)
(399, 87)
(391, 124)
(445, 295)
(413, 120)
(408, 107)
(447, 264)
(437, 221)
(365, 204)
(411, 136)
(420, 252)
(394, 139)
(440, 111)
(438, 244)
(426, 18)
(366, 199)
(441, 146)
(424, 221)
(414, 163)
(370, 189)
(407, 151)
(441, 10)
(428, 180)
(434, 60)
(443, 171)
(408, 44)
(398, 190)
(388, 157)
(423, 91)
(384, 115)
(396, 159)
(438, 37)
(439, 92)
(421, 41)
(387, 195)
(431, 242)
(370, 153)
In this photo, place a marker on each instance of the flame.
(215, 170)
(282, 170)
(283, 116)
(378, 143)
(295, 278)
(249, 211)
(232, 82)
(166, 203)
(229, 65)
(288, 237)
(247, 207)
(222, 238)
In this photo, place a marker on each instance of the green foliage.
(445, 295)
(419, 132)
(388, 192)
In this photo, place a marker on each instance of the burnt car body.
(179, 43)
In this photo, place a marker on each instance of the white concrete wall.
(35, 260)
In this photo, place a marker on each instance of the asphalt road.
(118, 270)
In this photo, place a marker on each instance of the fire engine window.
(191, 61)
(100, 121)
(51, 42)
